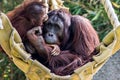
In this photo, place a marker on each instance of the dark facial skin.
(53, 30)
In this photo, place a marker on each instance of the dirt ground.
(111, 70)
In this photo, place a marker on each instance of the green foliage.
(91, 9)
(94, 11)
(8, 71)
(7, 5)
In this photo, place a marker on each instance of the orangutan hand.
(35, 35)
(56, 50)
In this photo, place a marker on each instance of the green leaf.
(97, 15)
(115, 5)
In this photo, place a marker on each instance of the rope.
(1, 26)
(111, 13)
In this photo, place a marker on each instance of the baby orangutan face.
(36, 13)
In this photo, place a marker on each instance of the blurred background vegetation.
(91, 9)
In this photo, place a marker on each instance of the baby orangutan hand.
(34, 33)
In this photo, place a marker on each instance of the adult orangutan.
(75, 36)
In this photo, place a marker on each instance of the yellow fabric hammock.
(34, 70)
